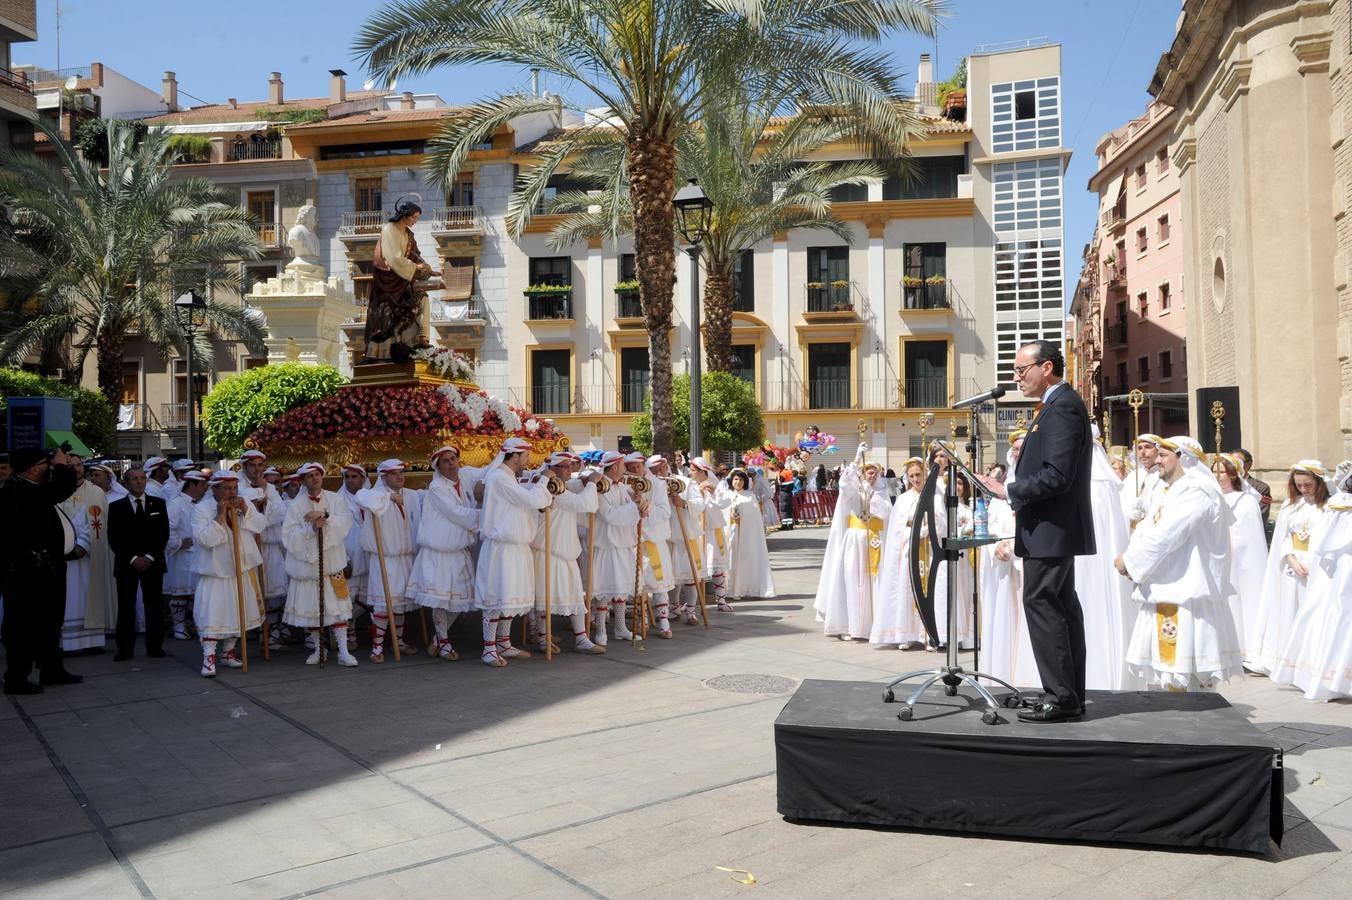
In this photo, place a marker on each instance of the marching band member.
(180, 580)
(685, 507)
(504, 584)
(216, 601)
(614, 556)
(318, 515)
(565, 579)
(158, 482)
(354, 481)
(443, 573)
(389, 534)
(658, 572)
(713, 524)
(258, 488)
(849, 578)
(180, 468)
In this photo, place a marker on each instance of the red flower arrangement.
(372, 412)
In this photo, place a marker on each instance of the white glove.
(1139, 509)
(1343, 470)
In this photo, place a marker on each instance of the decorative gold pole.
(1218, 416)
(926, 420)
(1107, 426)
(1136, 399)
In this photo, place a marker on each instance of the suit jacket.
(30, 525)
(130, 536)
(1051, 490)
(1264, 491)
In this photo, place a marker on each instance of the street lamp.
(191, 310)
(693, 211)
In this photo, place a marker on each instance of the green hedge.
(92, 418)
(240, 404)
(729, 414)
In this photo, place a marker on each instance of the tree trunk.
(652, 184)
(109, 350)
(717, 321)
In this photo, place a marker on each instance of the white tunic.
(844, 602)
(215, 603)
(1006, 649)
(398, 543)
(565, 578)
(443, 573)
(270, 540)
(1177, 558)
(748, 557)
(896, 620)
(964, 577)
(302, 561)
(614, 558)
(356, 556)
(180, 579)
(92, 612)
(713, 522)
(74, 634)
(658, 573)
(1298, 526)
(1318, 656)
(505, 579)
(1105, 596)
(1248, 561)
(680, 552)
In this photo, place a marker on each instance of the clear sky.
(1109, 51)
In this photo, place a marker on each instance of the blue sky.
(1109, 51)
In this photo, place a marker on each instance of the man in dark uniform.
(1053, 524)
(35, 540)
(138, 533)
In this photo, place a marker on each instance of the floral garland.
(447, 363)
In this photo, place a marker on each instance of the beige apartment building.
(1261, 93)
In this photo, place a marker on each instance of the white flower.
(532, 425)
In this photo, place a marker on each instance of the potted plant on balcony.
(936, 281)
(548, 290)
(627, 287)
(911, 281)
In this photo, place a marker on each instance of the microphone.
(992, 394)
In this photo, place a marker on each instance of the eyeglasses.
(1019, 370)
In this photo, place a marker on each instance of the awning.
(57, 438)
(1108, 199)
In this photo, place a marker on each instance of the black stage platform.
(1178, 770)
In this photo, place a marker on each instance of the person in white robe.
(1139, 487)
(566, 597)
(1109, 612)
(504, 581)
(964, 574)
(615, 550)
(442, 579)
(684, 541)
(1318, 657)
(659, 574)
(390, 540)
(713, 505)
(180, 580)
(1006, 648)
(764, 490)
(748, 556)
(1248, 547)
(178, 470)
(1286, 576)
(896, 619)
(262, 493)
(91, 592)
(159, 483)
(854, 551)
(317, 519)
(1183, 638)
(355, 480)
(221, 522)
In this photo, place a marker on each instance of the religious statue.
(396, 313)
(302, 240)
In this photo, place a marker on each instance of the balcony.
(628, 306)
(244, 151)
(17, 91)
(268, 236)
(833, 299)
(1114, 218)
(925, 296)
(1116, 274)
(925, 393)
(363, 225)
(549, 303)
(457, 312)
(1117, 333)
(451, 221)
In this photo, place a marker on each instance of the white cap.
(701, 463)
(272, 470)
(355, 467)
(1187, 444)
(155, 462)
(1148, 438)
(559, 456)
(224, 477)
(442, 451)
(514, 445)
(390, 465)
(655, 459)
(253, 454)
(610, 457)
(184, 464)
(635, 457)
(308, 468)
(1312, 466)
(194, 475)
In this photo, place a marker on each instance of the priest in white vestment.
(91, 592)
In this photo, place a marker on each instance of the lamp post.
(191, 311)
(693, 211)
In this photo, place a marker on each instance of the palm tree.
(653, 67)
(92, 254)
(755, 169)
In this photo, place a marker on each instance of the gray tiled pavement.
(618, 776)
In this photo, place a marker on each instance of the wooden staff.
(261, 583)
(690, 555)
(385, 583)
(322, 637)
(549, 620)
(591, 567)
(239, 589)
(638, 579)
(1136, 399)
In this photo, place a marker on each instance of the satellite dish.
(72, 82)
(368, 84)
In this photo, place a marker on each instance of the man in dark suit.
(138, 532)
(1053, 525)
(35, 540)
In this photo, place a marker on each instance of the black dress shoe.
(62, 677)
(156, 654)
(122, 657)
(23, 687)
(1048, 712)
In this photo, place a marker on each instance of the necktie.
(139, 509)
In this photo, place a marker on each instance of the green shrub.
(240, 404)
(730, 417)
(190, 148)
(92, 418)
(91, 138)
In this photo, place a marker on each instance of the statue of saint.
(303, 241)
(396, 313)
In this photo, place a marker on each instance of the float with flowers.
(404, 410)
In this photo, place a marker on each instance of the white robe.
(74, 634)
(505, 579)
(1177, 559)
(443, 572)
(964, 577)
(896, 620)
(1283, 590)
(849, 579)
(180, 579)
(92, 610)
(273, 572)
(713, 522)
(659, 575)
(215, 608)
(565, 578)
(748, 557)
(302, 562)
(1248, 561)
(1318, 656)
(356, 556)
(398, 544)
(680, 552)
(1006, 649)
(614, 559)
(1105, 596)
